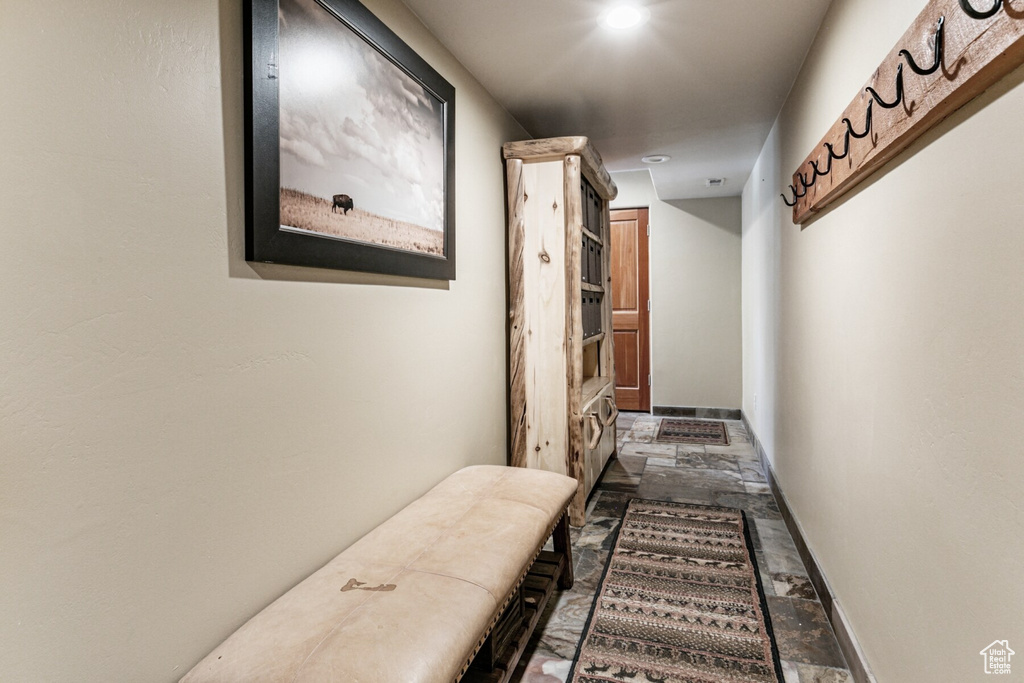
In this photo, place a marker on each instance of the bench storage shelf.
(536, 590)
(562, 364)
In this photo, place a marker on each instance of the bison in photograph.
(343, 202)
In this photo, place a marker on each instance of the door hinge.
(648, 380)
(648, 229)
(648, 305)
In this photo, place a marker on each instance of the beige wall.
(884, 346)
(182, 436)
(696, 342)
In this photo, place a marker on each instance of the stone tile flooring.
(730, 476)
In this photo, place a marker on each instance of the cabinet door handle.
(613, 411)
(596, 431)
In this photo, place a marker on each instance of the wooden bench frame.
(500, 654)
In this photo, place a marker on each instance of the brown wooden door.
(631, 318)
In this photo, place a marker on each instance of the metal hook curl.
(940, 41)
(832, 152)
(798, 195)
(818, 172)
(867, 126)
(965, 5)
(899, 91)
(787, 202)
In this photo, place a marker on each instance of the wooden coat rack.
(950, 55)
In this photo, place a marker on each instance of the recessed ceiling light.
(655, 158)
(624, 16)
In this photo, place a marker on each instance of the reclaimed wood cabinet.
(562, 364)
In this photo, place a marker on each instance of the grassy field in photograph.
(306, 212)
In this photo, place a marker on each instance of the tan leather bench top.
(411, 600)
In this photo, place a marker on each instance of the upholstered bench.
(417, 598)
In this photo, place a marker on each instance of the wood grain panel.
(977, 54)
(625, 265)
(516, 314)
(609, 442)
(574, 344)
(627, 359)
(627, 320)
(545, 332)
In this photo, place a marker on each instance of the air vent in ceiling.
(715, 182)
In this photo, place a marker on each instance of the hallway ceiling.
(702, 80)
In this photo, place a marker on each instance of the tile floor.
(711, 475)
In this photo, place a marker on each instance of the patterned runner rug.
(680, 602)
(709, 432)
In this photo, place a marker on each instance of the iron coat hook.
(965, 5)
(803, 181)
(940, 41)
(795, 196)
(899, 91)
(867, 126)
(817, 172)
(832, 152)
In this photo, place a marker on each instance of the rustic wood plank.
(978, 53)
(574, 333)
(559, 148)
(516, 313)
(544, 288)
(545, 149)
(608, 345)
(592, 388)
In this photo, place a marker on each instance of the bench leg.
(563, 545)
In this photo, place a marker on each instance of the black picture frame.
(265, 240)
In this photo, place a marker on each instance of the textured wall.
(696, 342)
(884, 346)
(183, 436)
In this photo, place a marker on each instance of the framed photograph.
(350, 144)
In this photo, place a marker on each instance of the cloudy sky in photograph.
(353, 123)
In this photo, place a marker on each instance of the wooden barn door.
(631, 318)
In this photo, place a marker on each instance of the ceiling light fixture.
(655, 158)
(623, 17)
